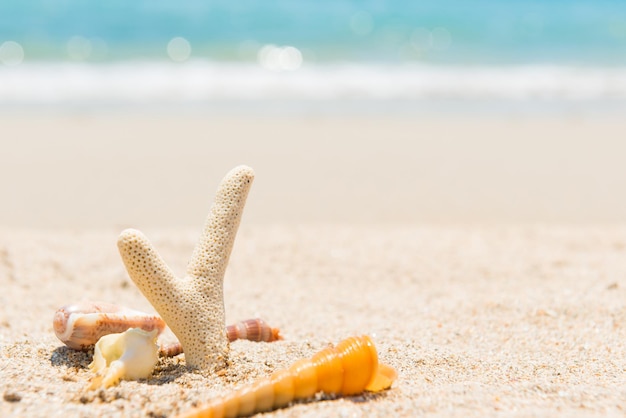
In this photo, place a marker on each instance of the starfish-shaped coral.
(193, 306)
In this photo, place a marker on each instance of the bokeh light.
(361, 23)
(79, 48)
(441, 39)
(179, 49)
(421, 39)
(617, 28)
(280, 58)
(11, 53)
(438, 39)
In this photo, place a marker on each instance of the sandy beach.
(86, 169)
(485, 255)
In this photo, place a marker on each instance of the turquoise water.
(480, 31)
(199, 50)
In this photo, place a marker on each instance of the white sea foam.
(201, 81)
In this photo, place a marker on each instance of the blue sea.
(210, 51)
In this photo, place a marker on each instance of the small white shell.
(130, 355)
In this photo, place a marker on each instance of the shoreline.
(412, 84)
(332, 108)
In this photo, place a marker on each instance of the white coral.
(193, 306)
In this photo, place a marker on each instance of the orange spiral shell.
(347, 369)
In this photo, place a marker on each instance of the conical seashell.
(348, 369)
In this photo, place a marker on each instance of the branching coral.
(193, 306)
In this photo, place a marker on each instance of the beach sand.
(96, 168)
(486, 256)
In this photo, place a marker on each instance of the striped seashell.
(254, 329)
(81, 325)
(348, 369)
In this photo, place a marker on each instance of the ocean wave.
(201, 81)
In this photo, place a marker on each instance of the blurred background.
(371, 111)
(69, 51)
